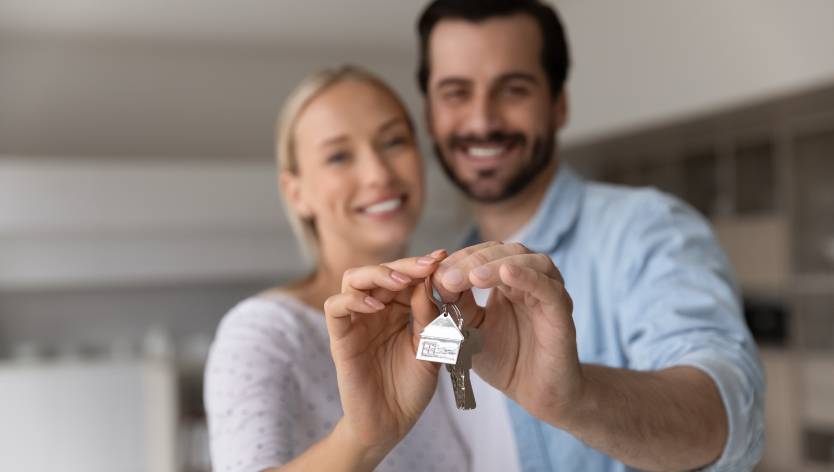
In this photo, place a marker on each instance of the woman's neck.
(332, 264)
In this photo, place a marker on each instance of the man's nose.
(484, 116)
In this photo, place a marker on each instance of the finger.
(375, 276)
(487, 275)
(418, 267)
(455, 276)
(394, 275)
(339, 308)
(449, 262)
(538, 287)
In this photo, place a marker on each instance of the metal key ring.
(443, 307)
(433, 294)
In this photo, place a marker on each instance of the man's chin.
(486, 194)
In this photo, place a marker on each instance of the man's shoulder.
(614, 203)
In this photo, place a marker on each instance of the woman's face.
(360, 175)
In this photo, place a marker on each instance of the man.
(639, 357)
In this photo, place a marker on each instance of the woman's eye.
(395, 142)
(338, 158)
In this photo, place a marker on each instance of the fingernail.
(438, 254)
(453, 277)
(513, 270)
(400, 277)
(374, 303)
(483, 272)
(426, 260)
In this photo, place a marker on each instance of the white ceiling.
(380, 22)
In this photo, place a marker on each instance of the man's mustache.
(494, 138)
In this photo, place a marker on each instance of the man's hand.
(527, 326)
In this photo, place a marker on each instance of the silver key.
(446, 340)
(461, 383)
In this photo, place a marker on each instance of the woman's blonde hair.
(309, 88)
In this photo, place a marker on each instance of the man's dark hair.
(554, 55)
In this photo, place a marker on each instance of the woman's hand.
(383, 388)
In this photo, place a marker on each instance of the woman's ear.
(291, 188)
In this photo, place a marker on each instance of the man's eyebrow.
(452, 81)
(503, 78)
(523, 76)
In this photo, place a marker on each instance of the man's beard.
(541, 156)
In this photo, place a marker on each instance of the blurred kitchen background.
(138, 199)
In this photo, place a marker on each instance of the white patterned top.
(271, 393)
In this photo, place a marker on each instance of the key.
(461, 383)
(446, 340)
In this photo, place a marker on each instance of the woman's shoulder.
(269, 314)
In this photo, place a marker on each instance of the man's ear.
(291, 188)
(560, 109)
(427, 119)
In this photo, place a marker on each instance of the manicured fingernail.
(426, 260)
(483, 272)
(400, 277)
(513, 270)
(374, 303)
(438, 254)
(453, 277)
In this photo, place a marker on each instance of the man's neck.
(500, 221)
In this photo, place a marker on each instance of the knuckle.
(519, 248)
(544, 260)
(478, 258)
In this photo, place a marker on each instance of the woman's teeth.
(384, 206)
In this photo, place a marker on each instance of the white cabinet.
(88, 416)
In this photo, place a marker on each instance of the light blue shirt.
(651, 289)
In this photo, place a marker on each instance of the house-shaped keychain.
(440, 341)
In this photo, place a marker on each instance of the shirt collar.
(556, 215)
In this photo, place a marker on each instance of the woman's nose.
(375, 169)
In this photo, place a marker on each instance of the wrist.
(570, 409)
(358, 456)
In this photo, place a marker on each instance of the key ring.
(431, 291)
(444, 308)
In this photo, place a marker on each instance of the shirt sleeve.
(250, 393)
(681, 307)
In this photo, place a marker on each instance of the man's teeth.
(484, 151)
(382, 207)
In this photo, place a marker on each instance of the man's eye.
(338, 158)
(516, 91)
(454, 95)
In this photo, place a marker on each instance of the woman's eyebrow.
(334, 140)
(391, 123)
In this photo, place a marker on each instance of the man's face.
(490, 110)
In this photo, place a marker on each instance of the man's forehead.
(489, 47)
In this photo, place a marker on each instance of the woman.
(352, 180)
